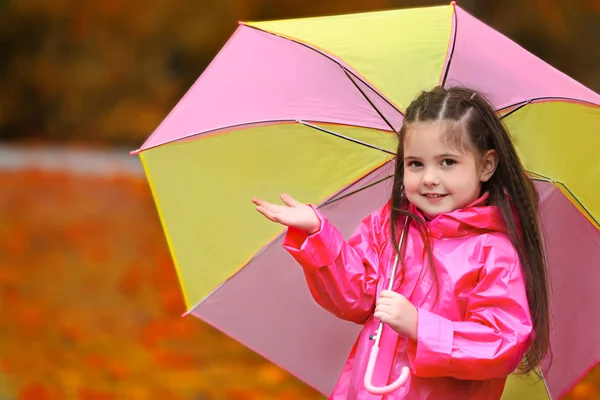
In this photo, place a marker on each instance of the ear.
(488, 165)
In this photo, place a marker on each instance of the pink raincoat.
(469, 340)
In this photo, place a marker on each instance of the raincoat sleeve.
(342, 276)
(495, 334)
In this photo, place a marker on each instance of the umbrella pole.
(375, 349)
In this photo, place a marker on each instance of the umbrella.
(310, 107)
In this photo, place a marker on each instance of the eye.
(448, 162)
(415, 164)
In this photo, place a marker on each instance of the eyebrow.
(448, 155)
(445, 155)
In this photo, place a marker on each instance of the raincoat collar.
(474, 219)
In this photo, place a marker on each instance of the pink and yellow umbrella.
(311, 107)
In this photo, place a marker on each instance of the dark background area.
(108, 71)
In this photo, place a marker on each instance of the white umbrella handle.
(369, 376)
(375, 349)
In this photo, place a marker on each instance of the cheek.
(466, 179)
(411, 181)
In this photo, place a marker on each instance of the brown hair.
(509, 188)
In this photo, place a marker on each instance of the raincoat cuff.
(316, 250)
(434, 341)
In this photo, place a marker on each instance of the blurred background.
(89, 302)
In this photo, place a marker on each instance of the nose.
(430, 178)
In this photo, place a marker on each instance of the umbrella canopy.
(311, 107)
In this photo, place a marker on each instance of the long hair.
(509, 188)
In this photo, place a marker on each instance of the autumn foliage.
(91, 305)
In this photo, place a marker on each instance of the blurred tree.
(110, 70)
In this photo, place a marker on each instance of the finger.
(270, 215)
(262, 203)
(288, 200)
(384, 301)
(388, 294)
(270, 207)
(384, 308)
(383, 317)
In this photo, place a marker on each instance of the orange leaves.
(28, 315)
(37, 391)
(176, 360)
(131, 279)
(154, 332)
(588, 388)
(184, 330)
(92, 394)
(91, 306)
(72, 331)
(14, 242)
(118, 369)
(10, 276)
(271, 375)
(171, 301)
(583, 390)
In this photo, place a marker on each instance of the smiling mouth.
(433, 195)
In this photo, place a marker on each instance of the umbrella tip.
(453, 3)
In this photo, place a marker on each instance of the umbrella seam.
(537, 100)
(545, 384)
(330, 57)
(542, 178)
(339, 135)
(334, 198)
(369, 100)
(227, 128)
(516, 109)
(455, 31)
(264, 248)
(184, 289)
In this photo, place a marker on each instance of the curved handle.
(369, 375)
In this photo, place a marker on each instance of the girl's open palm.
(292, 213)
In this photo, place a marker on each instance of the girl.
(470, 303)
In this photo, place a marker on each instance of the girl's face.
(438, 176)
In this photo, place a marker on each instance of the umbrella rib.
(580, 203)
(545, 384)
(542, 178)
(360, 189)
(455, 18)
(345, 137)
(521, 104)
(227, 128)
(363, 81)
(516, 109)
(322, 53)
(368, 99)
